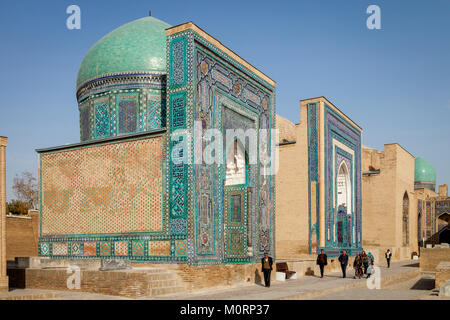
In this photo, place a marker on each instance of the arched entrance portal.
(444, 228)
(444, 236)
(344, 206)
(405, 227)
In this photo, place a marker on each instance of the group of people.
(363, 263)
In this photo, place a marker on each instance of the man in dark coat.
(388, 258)
(266, 263)
(322, 261)
(343, 259)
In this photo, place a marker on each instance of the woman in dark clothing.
(357, 265)
(365, 261)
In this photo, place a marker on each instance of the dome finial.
(149, 13)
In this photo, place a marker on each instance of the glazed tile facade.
(342, 145)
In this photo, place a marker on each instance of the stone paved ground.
(416, 288)
(406, 283)
(303, 288)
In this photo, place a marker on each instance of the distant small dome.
(286, 129)
(139, 45)
(424, 171)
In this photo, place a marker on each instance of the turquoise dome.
(136, 46)
(424, 171)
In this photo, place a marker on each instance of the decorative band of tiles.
(131, 249)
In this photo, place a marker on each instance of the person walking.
(266, 263)
(388, 257)
(322, 261)
(343, 259)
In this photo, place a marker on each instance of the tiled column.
(3, 276)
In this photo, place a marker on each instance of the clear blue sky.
(394, 82)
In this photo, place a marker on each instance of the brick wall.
(382, 200)
(128, 284)
(292, 194)
(22, 235)
(195, 278)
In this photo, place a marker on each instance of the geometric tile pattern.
(109, 188)
(101, 120)
(121, 248)
(178, 180)
(236, 242)
(75, 249)
(159, 248)
(138, 248)
(59, 249)
(235, 208)
(128, 110)
(156, 114)
(45, 248)
(177, 67)
(180, 248)
(90, 248)
(105, 248)
(178, 226)
(178, 111)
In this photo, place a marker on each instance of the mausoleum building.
(133, 188)
(318, 182)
